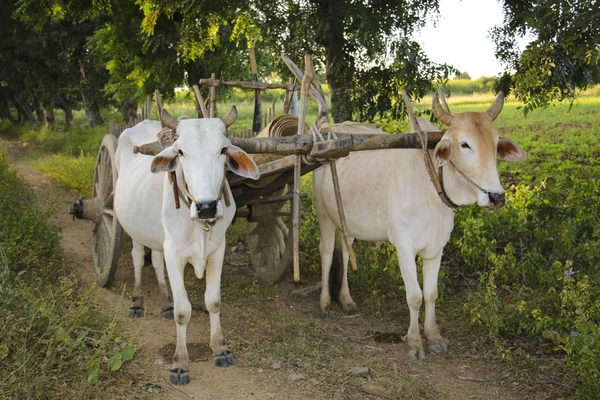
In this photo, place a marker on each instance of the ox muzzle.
(207, 209)
(497, 200)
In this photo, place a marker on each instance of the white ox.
(145, 207)
(388, 196)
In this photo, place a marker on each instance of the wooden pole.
(246, 85)
(287, 101)
(308, 76)
(257, 101)
(212, 99)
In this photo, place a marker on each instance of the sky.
(461, 36)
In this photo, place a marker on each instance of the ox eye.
(465, 145)
(180, 152)
(224, 150)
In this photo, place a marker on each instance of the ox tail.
(336, 273)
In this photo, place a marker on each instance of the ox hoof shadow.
(168, 313)
(439, 348)
(224, 359)
(180, 376)
(136, 312)
(352, 311)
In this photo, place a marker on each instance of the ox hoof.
(180, 376)
(327, 315)
(415, 354)
(136, 312)
(224, 359)
(168, 313)
(352, 310)
(441, 347)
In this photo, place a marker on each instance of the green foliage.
(562, 57)
(54, 340)
(76, 173)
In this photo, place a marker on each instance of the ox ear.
(442, 152)
(166, 160)
(240, 163)
(510, 151)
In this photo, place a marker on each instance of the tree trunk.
(25, 113)
(337, 66)
(129, 111)
(50, 118)
(39, 111)
(94, 117)
(68, 116)
(5, 105)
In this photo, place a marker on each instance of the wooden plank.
(244, 84)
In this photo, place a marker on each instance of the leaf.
(115, 361)
(128, 353)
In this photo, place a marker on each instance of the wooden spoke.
(270, 240)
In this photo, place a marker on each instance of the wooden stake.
(308, 76)
(256, 127)
(212, 99)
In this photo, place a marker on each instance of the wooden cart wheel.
(106, 229)
(269, 236)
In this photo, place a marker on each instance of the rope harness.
(471, 181)
(187, 197)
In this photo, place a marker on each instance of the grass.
(55, 342)
(505, 273)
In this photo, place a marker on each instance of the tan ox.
(388, 196)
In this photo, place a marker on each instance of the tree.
(563, 56)
(365, 46)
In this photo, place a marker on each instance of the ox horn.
(167, 120)
(439, 111)
(496, 106)
(230, 117)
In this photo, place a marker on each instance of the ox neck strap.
(443, 193)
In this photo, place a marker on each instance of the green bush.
(54, 341)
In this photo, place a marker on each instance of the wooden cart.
(271, 205)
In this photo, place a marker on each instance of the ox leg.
(166, 303)
(349, 306)
(212, 298)
(414, 298)
(137, 301)
(180, 374)
(431, 269)
(326, 248)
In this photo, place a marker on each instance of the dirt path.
(275, 334)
